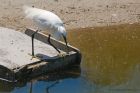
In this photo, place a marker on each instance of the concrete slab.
(15, 48)
(15, 55)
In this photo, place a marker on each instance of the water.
(110, 64)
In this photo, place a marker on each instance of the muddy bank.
(74, 13)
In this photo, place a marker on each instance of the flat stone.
(15, 49)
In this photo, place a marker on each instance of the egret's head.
(63, 34)
(62, 31)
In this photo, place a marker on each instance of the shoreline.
(75, 13)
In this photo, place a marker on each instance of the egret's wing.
(41, 22)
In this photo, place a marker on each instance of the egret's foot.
(62, 54)
(34, 57)
(68, 52)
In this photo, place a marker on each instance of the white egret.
(46, 21)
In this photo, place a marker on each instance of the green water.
(110, 64)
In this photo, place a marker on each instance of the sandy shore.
(74, 13)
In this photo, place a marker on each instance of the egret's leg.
(52, 44)
(67, 48)
(33, 35)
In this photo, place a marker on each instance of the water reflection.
(51, 86)
(110, 55)
(51, 78)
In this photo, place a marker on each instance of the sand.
(74, 13)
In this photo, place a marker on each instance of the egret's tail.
(25, 7)
(29, 11)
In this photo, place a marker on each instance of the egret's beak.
(65, 39)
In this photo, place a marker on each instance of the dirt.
(74, 13)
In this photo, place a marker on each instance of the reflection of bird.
(48, 21)
(31, 87)
(47, 89)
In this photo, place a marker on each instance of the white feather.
(46, 21)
